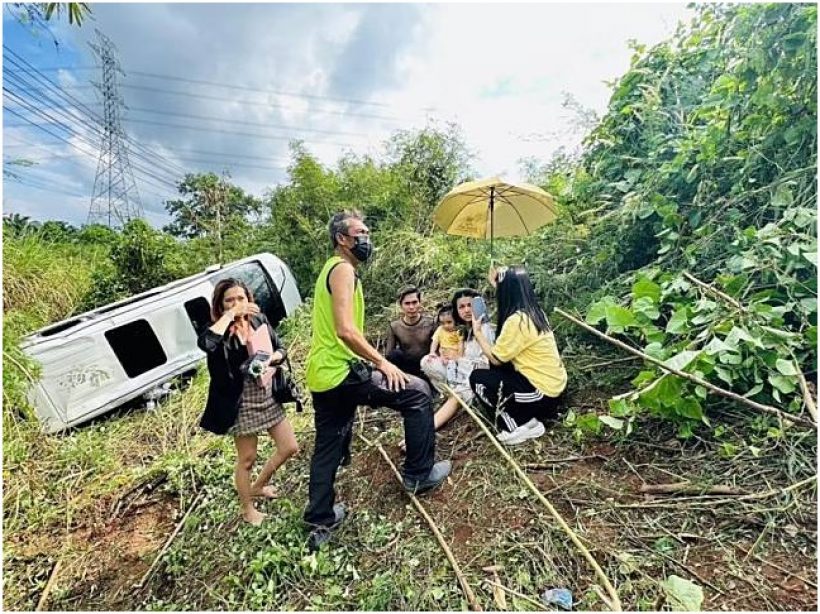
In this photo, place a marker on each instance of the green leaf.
(782, 197)
(811, 257)
(730, 358)
(724, 374)
(644, 287)
(678, 322)
(716, 345)
(644, 377)
(753, 390)
(784, 384)
(682, 595)
(681, 360)
(588, 422)
(647, 307)
(655, 350)
(668, 391)
(689, 407)
(618, 408)
(786, 367)
(597, 311)
(611, 422)
(619, 318)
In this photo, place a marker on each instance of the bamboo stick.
(610, 589)
(462, 580)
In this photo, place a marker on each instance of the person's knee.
(290, 448)
(416, 383)
(476, 376)
(246, 460)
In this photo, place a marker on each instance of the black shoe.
(322, 535)
(434, 479)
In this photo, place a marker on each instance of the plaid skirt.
(258, 411)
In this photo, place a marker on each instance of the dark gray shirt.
(413, 339)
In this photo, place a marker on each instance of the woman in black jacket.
(237, 404)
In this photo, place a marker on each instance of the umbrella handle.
(492, 220)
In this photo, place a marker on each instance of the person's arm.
(484, 344)
(279, 352)
(461, 348)
(391, 339)
(342, 283)
(210, 340)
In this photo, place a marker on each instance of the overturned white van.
(101, 359)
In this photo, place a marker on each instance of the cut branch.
(610, 589)
(687, 488)
(169, 541)
(715, 291)
(708, 385)
(465, 586)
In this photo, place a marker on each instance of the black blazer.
(225, 357)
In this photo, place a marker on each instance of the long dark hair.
(461, 293)
(515, 293)
(222, 286)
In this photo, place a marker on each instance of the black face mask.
(362, 249)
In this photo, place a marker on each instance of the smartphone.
(480, 309)
(261, 356)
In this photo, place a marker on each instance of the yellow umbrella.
(490, 208)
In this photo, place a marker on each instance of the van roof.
(112, 309)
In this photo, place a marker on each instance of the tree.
(211, 207)
(430, 162)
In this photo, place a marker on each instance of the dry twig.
(169, 541)
(49, 585)
(616, 602)
(465, 586)
(688, 488)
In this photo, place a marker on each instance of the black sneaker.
(434, 479)
(322, 535)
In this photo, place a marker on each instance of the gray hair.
(339, 223)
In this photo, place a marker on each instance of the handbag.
(285, 390)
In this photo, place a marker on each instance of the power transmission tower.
(115, 199)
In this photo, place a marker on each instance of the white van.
(99, 360)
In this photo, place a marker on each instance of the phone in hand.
(479, 308)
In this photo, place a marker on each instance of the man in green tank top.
(339, 380)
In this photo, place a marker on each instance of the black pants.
(335, 411)
(405, 362)
(509, 399)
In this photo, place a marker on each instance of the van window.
(264, 293)
(136, 347)
(199, 312)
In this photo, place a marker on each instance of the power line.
(265, 104)
(210, 130)
(42, 114)
(246, 123)
(93, 155)
(80, 104)
(43, 96)
(233, 86)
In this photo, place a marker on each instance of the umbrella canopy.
(491, 208)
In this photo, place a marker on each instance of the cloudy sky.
(226, 86)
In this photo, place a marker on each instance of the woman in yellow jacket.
(526, 377)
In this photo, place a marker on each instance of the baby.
(447, 342)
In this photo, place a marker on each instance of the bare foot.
(253, 516)
(269, 492)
